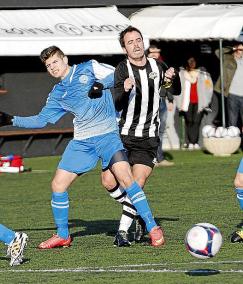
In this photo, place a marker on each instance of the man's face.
(134, 46)
(239, 50)
(57, 66)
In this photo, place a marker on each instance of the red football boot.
(157, 237)
(54, 242)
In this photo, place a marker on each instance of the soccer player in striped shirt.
(137, 93)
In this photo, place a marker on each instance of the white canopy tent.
(190, 22)
(200, 22)
(77, 31)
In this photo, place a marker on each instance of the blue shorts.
(240, 168)
(81, 156)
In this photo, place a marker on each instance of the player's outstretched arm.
(5, 119)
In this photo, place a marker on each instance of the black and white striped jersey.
(139, 107)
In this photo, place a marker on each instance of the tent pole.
(222, 79)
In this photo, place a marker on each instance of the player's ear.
(124, 50)
(65, 59)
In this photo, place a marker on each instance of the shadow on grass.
(206, 152)
(108, 227)
(202, 272)
(168, 156)
(96, 227)
(240, 225)
(5, 258)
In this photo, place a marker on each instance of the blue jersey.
(92, 117)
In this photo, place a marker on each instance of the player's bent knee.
(108, 180)
(57, 186)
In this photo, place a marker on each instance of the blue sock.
(239, 195)
(60, 206)
(139, 200)
(6, 235)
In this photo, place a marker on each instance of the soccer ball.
(233, 131)
(203, 240)
(205, 130)
(208, 131)
(221, 132)
(211, 132)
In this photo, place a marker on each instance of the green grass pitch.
(199, 188)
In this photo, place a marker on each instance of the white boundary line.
(133, 268)
(100, 270)
(179, 263)
(41, 171)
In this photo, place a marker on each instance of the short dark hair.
(154, 48)
(186, 58)
(129, 29)
(50, 51)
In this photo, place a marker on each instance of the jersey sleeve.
(120, 96)
(103, 73)
(50, 113)
(175, 88)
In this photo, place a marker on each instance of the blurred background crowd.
(201, 102)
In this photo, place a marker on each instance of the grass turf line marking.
(76, 270)
(119, 268)
(41, 171)
(178, 263)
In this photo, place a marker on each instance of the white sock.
(129, 211)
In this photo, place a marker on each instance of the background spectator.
(233, 84)
(155, 52)
(196, 95)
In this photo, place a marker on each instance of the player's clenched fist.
(95, 90)
(128, 84)
(170, 73)
(5, 119)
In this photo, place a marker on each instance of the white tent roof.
(76, 31)
(190, 22)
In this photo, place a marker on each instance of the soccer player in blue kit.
(84, 92)
(237, 236)
(16, 242)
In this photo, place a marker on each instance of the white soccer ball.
(233, 131)
(211, 132)
(208, 131)
(205, 130)
(203, 240)
(221, 132)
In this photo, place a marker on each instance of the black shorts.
(141, 150)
